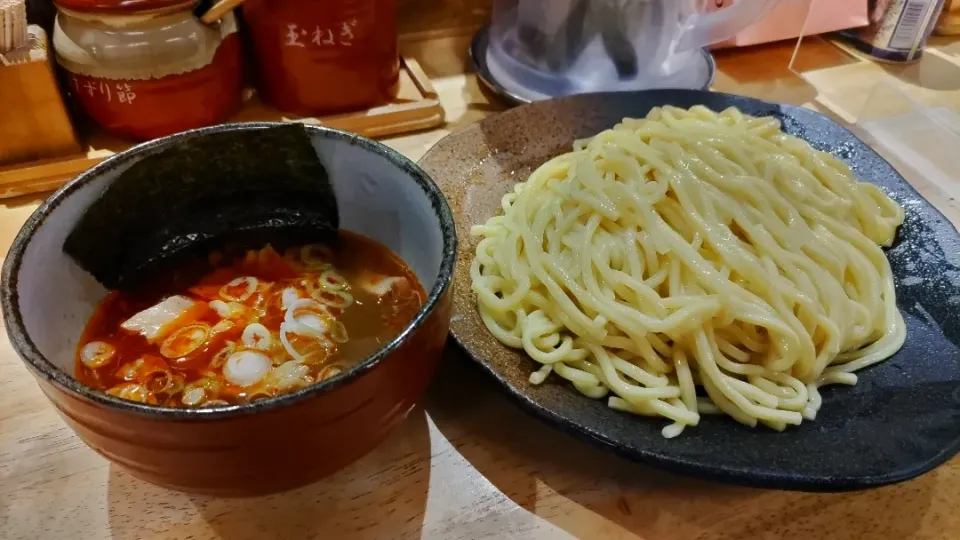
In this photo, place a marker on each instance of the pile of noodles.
(694, 262)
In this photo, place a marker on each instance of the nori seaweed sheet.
(227, 191)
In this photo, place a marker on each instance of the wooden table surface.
(467, 463)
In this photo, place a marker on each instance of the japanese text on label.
(106, 91)
(339, 35)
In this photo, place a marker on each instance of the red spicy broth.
(257, 327)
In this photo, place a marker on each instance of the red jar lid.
(123, 6)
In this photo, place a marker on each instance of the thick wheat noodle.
(694, 252)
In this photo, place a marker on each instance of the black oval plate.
(901, 420)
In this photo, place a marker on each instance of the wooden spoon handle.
(219, 9)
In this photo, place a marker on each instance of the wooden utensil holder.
(34, 123)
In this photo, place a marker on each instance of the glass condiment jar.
(317, 57)
(147, 74)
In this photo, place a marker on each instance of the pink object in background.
(785, 21)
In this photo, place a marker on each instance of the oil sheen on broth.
(257, 327)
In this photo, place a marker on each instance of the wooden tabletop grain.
(467, 463)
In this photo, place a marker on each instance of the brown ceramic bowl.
(268, 445)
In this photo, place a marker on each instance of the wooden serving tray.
(415, 108)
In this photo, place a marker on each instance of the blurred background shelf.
(415, 108)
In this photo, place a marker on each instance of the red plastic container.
(326, 56)
(147, 74)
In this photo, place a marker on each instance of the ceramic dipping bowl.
(271, 444)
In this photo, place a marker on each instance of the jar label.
(342, 34)
(104, 91)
